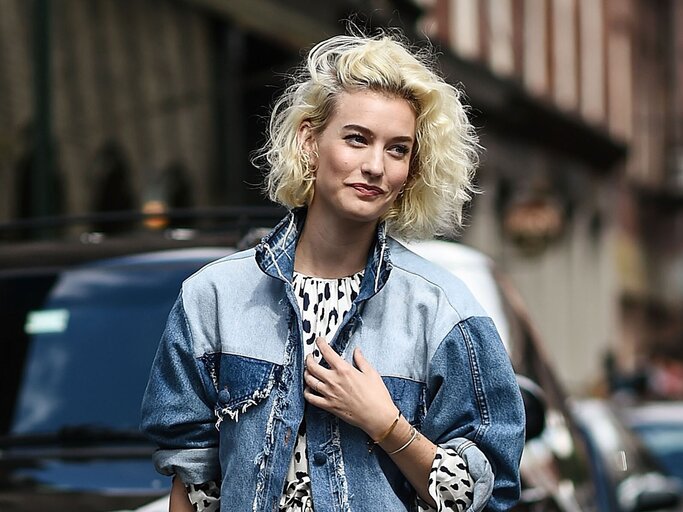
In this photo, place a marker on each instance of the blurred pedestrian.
(330, 368)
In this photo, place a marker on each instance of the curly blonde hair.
(442, 167)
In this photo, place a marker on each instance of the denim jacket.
(225, 396)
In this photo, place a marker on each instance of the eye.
(356, 138)
(400, 150)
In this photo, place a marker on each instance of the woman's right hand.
(356, 395)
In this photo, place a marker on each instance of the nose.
(373, 165)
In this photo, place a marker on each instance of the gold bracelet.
(386, 434)
(413, 435)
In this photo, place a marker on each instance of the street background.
(145, 105)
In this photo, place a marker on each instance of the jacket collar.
(275, 254)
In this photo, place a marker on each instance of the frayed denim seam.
(336, 452)
(344, 335)
(263, 458)
(211, 366)
(258, 395)
(422, 414)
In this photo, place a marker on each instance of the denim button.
(224, 396)
(319, 458)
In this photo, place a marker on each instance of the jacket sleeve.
(471, 367)
(177, 407)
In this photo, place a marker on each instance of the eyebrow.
(366, 131)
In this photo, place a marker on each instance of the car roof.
(67, 253)
(193, 254)
(655, 413)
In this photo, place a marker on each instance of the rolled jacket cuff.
(193, 466)
(479, 469)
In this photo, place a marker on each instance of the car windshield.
(87, 339)
(665, 441)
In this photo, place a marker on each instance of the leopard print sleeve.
(450, 485)
(204, 497)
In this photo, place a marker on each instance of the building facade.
(554, 157)
(587, 220)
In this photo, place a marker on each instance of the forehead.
(373, 110)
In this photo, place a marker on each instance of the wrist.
(383, 425)
(398, 437)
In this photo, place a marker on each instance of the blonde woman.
(330, 368)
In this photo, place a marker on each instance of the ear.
(307, 139)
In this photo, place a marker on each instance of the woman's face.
(364, 155)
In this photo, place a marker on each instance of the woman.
(330, 368)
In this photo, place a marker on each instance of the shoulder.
(239, 267)
(416, 271)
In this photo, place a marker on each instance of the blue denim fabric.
(225, 395)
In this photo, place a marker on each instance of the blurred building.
(111, 105)
(651, 206)
(555, 144)
(582, 176)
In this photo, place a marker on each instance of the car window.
(665, 442)
(19, 293)
(87, 343)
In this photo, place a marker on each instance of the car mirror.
(534, 406)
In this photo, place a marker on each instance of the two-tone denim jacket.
(225, 396)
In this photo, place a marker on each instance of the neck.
(333, 250)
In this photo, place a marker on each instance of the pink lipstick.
(367, 190)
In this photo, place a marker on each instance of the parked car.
(80, 338)
(632, 477)
(659, 426)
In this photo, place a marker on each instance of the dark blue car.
(77, 346)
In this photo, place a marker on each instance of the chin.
(364, 217)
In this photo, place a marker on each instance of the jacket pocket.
(410, 398)
(240, 383)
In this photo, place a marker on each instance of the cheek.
(399, 176)
(339, 164)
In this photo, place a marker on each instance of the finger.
(313, 383)
(361, 363)
(317, 370)
(328, 352)
(313, 389)
(315, 399)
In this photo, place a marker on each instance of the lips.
(367, 190)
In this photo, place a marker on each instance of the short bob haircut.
(446, 150)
